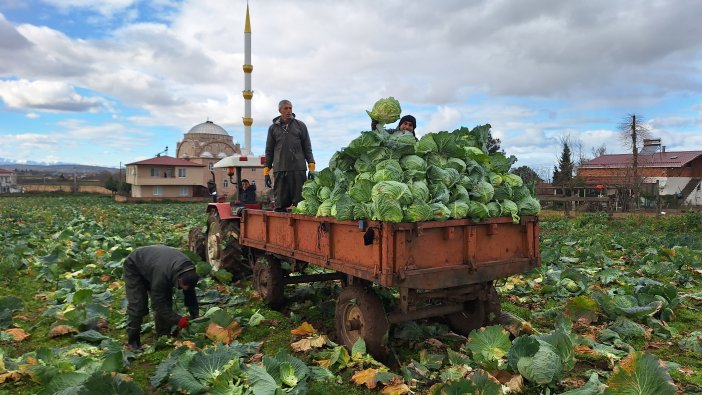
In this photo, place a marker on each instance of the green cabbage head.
(386, 110)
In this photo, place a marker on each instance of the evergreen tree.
(563, 173)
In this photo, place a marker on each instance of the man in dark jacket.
(247, 193)
(156, 270)
(288, 147)
(406, 125)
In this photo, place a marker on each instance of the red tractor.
(219, 245)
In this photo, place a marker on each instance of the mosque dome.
(208, 127)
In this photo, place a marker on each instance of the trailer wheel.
(476, 313)
(223, 248)
(268, 280)
(360, 313)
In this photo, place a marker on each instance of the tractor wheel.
(360, 314)
(223, 248)
(268, 280)
(476, 313)
(197, 243)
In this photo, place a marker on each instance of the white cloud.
(449, 63)
(45, 95)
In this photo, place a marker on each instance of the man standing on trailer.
(288, 147)
(156, 270)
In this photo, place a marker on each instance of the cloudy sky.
(107, 81)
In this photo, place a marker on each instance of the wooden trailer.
(439, 268)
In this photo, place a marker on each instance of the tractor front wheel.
(223, 248)
(197, 242)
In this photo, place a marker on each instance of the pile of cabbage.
(391, 177)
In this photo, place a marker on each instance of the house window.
(184, 191)
(210, 166)
(155, 172)
(158, 190)
(132, 170)
(226, 183)
(181, 172)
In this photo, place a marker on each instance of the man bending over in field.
(157, 270)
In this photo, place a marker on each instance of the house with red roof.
(8, 181)
(675, 172)
(165, 177)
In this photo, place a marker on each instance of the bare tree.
(599, 151)
(632, 134)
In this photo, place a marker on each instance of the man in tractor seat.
(156, 270)
(247, 193)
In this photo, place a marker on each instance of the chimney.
(663, 149)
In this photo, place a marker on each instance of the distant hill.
(68, 168)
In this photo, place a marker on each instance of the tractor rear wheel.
(476, 313)
(268, 280)
(360, 314)
(223, 248)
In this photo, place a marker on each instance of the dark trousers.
(288, 188)
(137, 289)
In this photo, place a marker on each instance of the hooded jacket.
(160, 266)
(287, 149)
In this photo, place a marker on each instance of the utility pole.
(119, 184)
(75, 181)
(635, 154)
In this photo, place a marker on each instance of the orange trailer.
(442, 268)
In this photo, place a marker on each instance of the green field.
(615, 308)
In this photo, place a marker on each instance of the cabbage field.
(614, 309)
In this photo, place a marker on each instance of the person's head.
(188, 280)
(245, 183)
(285, 109)
(407, 123)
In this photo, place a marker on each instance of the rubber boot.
(133, 340)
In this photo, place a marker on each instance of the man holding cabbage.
(387, 111)
(288, 147)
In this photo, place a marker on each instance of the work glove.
(310, 174)
(266, 173)
(183, 322)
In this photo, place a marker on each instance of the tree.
(493, 145)
(632, 132)
(563, 173)
(527, 174)
(599, 151)
(125, 188)
(111, 184)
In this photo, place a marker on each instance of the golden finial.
(247, 27)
